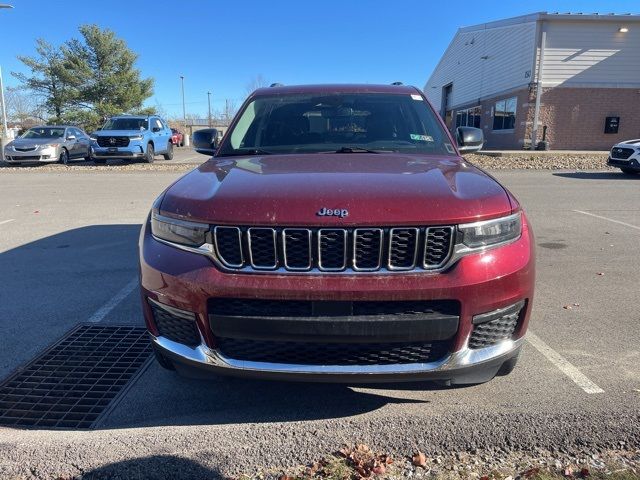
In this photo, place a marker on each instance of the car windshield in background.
(126, 124)
(348, 123)
(44, 132)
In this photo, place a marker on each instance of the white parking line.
(7, 221)
(563, 364)
(608, 219)
(104, 310)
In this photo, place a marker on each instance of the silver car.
(49, 144)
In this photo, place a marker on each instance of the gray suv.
(132, 137)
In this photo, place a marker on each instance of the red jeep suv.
(337, 235)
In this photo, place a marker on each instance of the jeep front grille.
(333, 249)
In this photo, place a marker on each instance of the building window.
(504, 115)
(469, 117)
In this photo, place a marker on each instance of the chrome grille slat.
(296, 247)
(262, 248)
(228, 244)
(438, 245)
(403, 248)
(333, 250)
(367, 249)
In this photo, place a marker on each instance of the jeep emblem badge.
(335, 212)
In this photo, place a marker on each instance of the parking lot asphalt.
(68, 244)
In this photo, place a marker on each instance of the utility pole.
(209, 101)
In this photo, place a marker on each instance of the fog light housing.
(493, 327)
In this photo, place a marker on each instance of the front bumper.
(632, 162)
(132, 151)
(481, 283)
(44, 156)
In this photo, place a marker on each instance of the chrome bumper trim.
(466, 357)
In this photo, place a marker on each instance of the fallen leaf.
(568, 472)
(419, 459)
(567, 307)
(576, 304)
(36, 211)
(531, 472)
(379, 469)
(600, 273)
(584, 473)
(285, 477)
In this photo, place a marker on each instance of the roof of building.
(551, 16)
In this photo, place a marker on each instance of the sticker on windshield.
(421, 138)
(415, 96)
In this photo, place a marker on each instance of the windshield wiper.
(355, 150)
(246, 151)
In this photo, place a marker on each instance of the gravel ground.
(526, 160)
(531, 161)
(487, 464)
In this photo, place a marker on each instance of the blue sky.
(221, 46)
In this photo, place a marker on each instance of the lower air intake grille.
(298, 353)
(176, 325)
(494, 331)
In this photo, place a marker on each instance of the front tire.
(150, 153)
(508, 366)
(629, 171)
(163, 361)
(169, 154)
(64, 157)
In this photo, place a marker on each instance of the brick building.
(578, 75)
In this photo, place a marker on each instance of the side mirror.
(71, 137)
(469, 139)
(205, 141)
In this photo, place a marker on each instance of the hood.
(117, 133)
(634, 143)
(375, 189)
(32, 142)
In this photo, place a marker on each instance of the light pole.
(209, 102)
(5, 131)
(184, 111)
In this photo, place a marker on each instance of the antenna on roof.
(397, 83)
(276, 85)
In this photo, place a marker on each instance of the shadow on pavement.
(157, 467)
(59, 281)
(598, 175)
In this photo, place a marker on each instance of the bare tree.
(23, 107)
(256, 82)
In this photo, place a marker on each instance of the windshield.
(44, 132)
(126, 124)
(348, 123)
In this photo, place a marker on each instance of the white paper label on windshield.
(415, 96)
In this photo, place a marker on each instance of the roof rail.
(397, 83)
(276, 85)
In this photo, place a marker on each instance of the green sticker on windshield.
(422, 138)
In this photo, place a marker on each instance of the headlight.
(491, 232)
(178, 231)
(48, 145)
(136, 137)
(93, 138)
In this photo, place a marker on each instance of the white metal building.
(578, 75)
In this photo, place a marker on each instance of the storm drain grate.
(74, 382)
